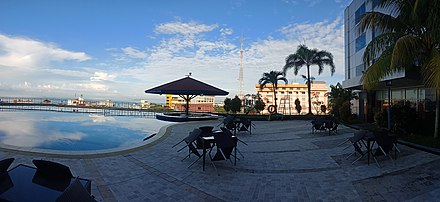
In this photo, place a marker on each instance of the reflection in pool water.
(73, 131)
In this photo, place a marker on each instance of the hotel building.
(197, 104)
(288, 93)
(403, 86)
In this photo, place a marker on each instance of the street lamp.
(389, 84)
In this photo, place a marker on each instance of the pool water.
(74, 131)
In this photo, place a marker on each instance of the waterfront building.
(105, 103)
(403, 86)
(288, 93)
(145, 104)
(77, 101)
(200, 103)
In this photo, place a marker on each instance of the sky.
(118, 49)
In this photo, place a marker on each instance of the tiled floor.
(283, 161)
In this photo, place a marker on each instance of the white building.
(404, 85)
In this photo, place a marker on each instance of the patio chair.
(356, 142)
(75, 192)
(318, 124)
(4, 164)
(332, 127)
(246, 125)
(225, 145)
(51, 174)
(190, 141)
(206, 131)
(52, 169)
(386, 144)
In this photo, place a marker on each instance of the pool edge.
(164, 132)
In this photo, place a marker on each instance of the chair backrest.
(383, 139)
(4, 164)
(225, 144)
(228, 119)
(75, 192)
(52, 169)
(193, 135)
(246, 122)
(206, 131)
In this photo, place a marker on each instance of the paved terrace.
(283, 162)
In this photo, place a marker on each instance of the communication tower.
(240, 74)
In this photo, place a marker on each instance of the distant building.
(46, 101)
(197, 104)
(288, 93)
(77, 102)
(145, 104)
(105, 103)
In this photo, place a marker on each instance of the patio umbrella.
(187, 88)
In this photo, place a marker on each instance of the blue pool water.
(74, 131)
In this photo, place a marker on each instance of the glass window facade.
(359, 13)
(360, 42)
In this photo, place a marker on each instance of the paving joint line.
(171, 179)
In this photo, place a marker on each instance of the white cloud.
(184, 28)
(102, 76)
(134, 53)
(29, 53)
(226, 31)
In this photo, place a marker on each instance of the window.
(290, 92)
(359, 13)
(303, 93)
(360, 42)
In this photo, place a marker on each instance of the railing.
(76, 109)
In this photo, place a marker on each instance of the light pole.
(388, 83)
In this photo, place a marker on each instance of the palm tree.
(308, 57)
(272, 78)
(410, 39)
(307, 80)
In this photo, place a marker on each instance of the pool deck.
(283, 161)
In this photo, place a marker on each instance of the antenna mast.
(240, 74)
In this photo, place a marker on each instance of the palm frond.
(376, 20)
(431, 71)
(405, 52)
(377, 71)
(378, 45)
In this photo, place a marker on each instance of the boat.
(182, 117)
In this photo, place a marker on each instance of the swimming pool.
(30, 130)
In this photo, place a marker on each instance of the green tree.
(410, 40)
(323, 109)
(298, 106)
(338, 99)
(227, 105)
(308, 57)
(272, 78)
(236, 104)
(259, 105)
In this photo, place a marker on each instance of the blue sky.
(117, 49)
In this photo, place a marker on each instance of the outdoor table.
(22, 184)
(210, 140)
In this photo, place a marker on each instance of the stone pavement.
(283, 161)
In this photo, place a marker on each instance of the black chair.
(52, 175)
(246, 125)
(206, 131)
(318, 124)
(225, 145)
(75, 192)
(190, 141)
(52, 169)
(331, 124)
(356, 142)
(386, 144)
(4, 164)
